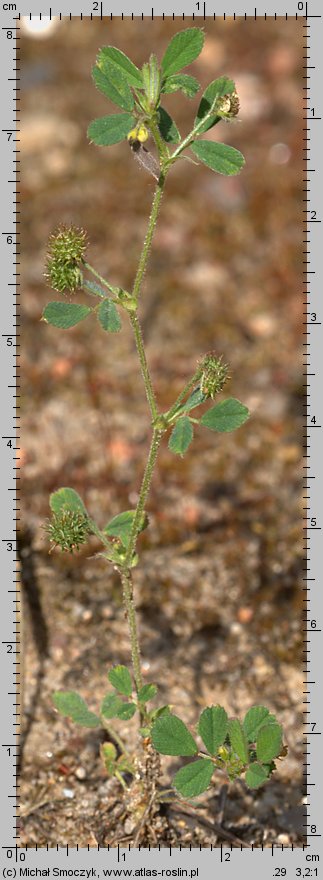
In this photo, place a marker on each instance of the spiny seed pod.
(214, 374)
(66, 249)
(68, 529)
(228, 106)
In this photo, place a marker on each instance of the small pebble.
(80, 773)
(68, 793)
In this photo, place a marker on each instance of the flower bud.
(151, 76)
(66, 249)
(68, 529)
(214, 374)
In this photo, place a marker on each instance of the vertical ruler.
(10, 338)
(311, 22)
(313, 374)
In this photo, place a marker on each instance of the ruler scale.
(302, 861)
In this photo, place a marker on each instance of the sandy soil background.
(219, 582)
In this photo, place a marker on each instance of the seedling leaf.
(170, 736)
(73, 706)
(126, 711)
(225, 416)
(195, 778)
(219, 157)
(213, 728)
(65, 315)
(94, 288)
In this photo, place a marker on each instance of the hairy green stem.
(127, 591)
(144, 489)
(144, 366)
(125, 572)
(148, 237)
(194, 133)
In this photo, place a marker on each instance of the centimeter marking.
(12, 341)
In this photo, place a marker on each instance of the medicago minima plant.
(250, 747)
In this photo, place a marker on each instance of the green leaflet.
(225, 416)
(65, 315)
(113, 84)
(181, 436)
(170, 736)
(66, 499)
(254, 720)
(181, 82)
(108, 316)
(121, 680)
(213, 728)
(219, 157)
(120, 526)
(147, 692)
(108, 130)
(71, 705)
(216, 89)
(256, 775)
(195, 778)
(109, 55)
(238, 740)
(183, 48)
(167, 127)
(269, 742)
